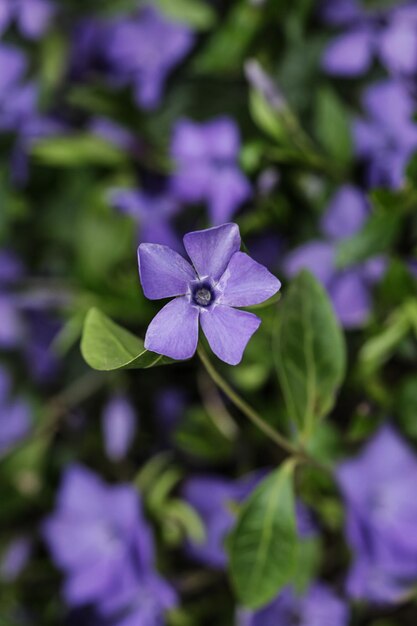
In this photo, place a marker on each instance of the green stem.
(243, 406)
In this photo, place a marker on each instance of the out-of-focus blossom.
(11, 326)
(15, 420)
(378, 487)
(207, 169)
(216, 500)
(206, 292)
(41, 328)
(15, 559)
(262, 82)
(31, 16)
(389, 35)
(170, 405)
(142, 49)
(349, 289)
(153, 213)
(114, 133)
(100, 539)
(386, 136)
(119, 424)
(19, 113)
(319, 606)
(268, 181)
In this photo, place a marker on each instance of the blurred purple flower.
(170, 405)
(142, 49)
(31, 16)
(319, 606)
(41, 328)
(153, 213)
(220, 279)
(11, 327)
(15, 559)
(19, 112)
(349, 289)
(100, 539)
(207, 170)
(379, 491)
(114, 133)
(389, 35)
(119, 423)
(387, 136)
(15, 420)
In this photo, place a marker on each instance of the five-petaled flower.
(220, 278)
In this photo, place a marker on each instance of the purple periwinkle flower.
(207, 169)
(100, 539)
(31, 16)
(219, 279)
(350, 288)
(319, 606)
(389, 35)
(119, 424)
(142, 49)
(386, 136)
(153, 213)
(15, 415)
(379, 491)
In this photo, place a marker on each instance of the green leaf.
(379, 349)
(268, 119)
(263, 546)
(195, 13)
(228, 46)
(76, 151)
(333, 126)
(106, 346)
(376, 237)
(310, 352)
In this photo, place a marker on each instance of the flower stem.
(243, 406)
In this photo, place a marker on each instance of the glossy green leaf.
(107, 346)
(310, 352)
(263, 546)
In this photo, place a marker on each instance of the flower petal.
(173, 331)
(351, 299)
(210, 250)
(346, 213)
(398, 46)
(228, 331)
(246, 282)
(230, 190)
(349, 54)
(315, 256)
(163, 272)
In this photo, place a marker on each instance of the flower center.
(203, 294)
